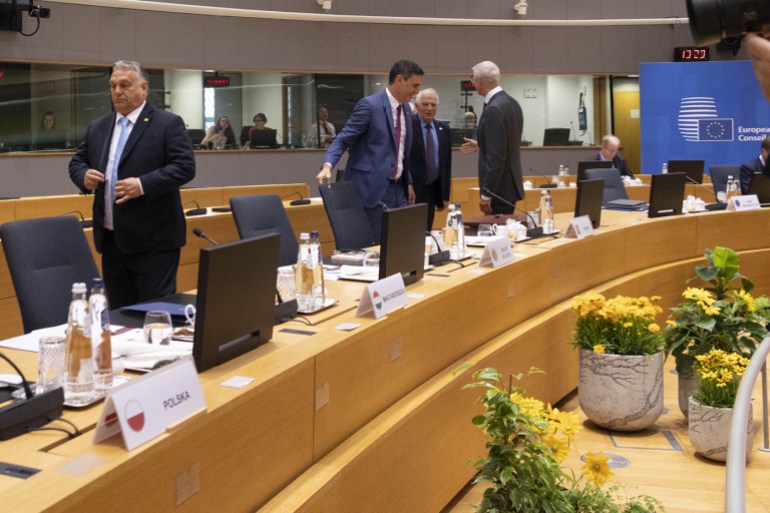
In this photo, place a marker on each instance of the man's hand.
(470, 146)
(325, 174)
(759, 51)
(410, 195)
(485, 205)
(127, 189)
(92, 179)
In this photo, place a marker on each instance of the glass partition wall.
(47, 107)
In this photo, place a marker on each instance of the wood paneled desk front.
(375, 419)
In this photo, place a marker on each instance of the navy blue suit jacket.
(158, 152)
(417, 166)
(747, 173)
(370, 138)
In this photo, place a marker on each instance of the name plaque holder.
(497, 252)
(580, 228)
(383, 296)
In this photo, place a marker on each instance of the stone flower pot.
(619, 392)
(709, 430)
(686, 388)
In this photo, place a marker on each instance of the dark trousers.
(498, 207)
(430, 195)
(136, 277)
(395, 197)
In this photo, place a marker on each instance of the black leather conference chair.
(45, 257)
(346, 216)
(260, 214)
(614, 189)
(719, 176)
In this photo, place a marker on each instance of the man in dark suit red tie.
(431, 159)
(135, 160)
(499, 142)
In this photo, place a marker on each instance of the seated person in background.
(48, 137)
(220, 136)
(609, 151)
(469, 124)
(260, 124)
(757, 165)
(322, 130)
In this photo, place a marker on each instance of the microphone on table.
(709, 206)
(284, 310)
(301, 201)
(532, 233)
(547, 184)
(440, 257)
(199, 233)
(197, 211)
(32, 412)
(85, 223)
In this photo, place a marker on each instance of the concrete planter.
(709, 430)
(621, 393)
(686, 388)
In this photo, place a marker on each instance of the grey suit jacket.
(499, 141)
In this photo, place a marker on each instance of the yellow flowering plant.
(718, 375)
(721, 315)
(620, 325)
(528, 442)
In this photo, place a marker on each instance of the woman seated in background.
(220, 136)
(48, 137)
(260, 125)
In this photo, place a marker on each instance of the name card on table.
(146, 407)
(580, 227)
(383, 296)
(743, 203)
(497, 252)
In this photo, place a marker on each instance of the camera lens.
(714, 20)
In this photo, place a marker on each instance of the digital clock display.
(691, 54)
(216, 81)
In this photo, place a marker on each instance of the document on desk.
(29, 341)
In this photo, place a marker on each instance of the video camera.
(712, 21)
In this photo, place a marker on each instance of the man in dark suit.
(756, 165)
(378, 136)
(499, 142)
(431, 160)
(609, 151)
(134, 161)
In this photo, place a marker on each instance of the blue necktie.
(123, 122)
(430, 155)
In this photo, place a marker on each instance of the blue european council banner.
(712, 111)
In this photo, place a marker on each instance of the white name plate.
(580, 227)
(497, 252)
(145, 407)
(743, 203)
(383, 296)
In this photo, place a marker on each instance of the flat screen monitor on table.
(588, 201)
(693, 169)
(666, 194)
(556, 137)
(760, 185)
(402, 249)
(236, 299)
(263, 139)
(590, 164)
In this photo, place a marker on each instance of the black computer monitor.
(693, 169)
(236, 299)
(760, 185)
(263, 139)
(402, 248)
(54, 139)
(556, 137)
(666, 194)
(590, 194)
(590, 164)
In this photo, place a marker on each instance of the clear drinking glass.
(50, 363)
(371, 260)
(485, 230)
(285, 283)
(157, 327)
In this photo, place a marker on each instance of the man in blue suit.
(431, 161)
(134, 160)
(756, 165)
(378, 136)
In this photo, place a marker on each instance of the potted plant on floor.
(718, 375)
(621, 360)
(527, 443)
(720, 315)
